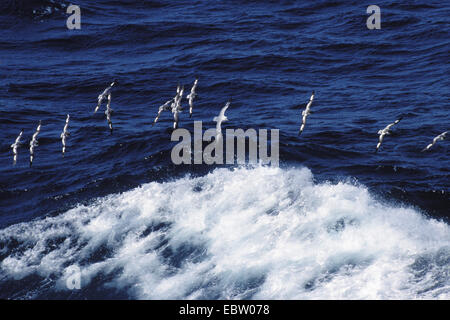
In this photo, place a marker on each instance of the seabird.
(306, 113)
(219, 119)
(175, 99)
(173, 105)
(103, 95)
(191, 97)
(108, 112)
(176, 106)
(64, 135)
(15, 145)
(442, 136)
(386, 131)
(34, 142)
(165, 106)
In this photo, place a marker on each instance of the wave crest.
(264, 233)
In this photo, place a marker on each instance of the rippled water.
(335, 220)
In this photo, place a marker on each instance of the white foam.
(265, 233)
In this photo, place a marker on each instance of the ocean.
(335, 220)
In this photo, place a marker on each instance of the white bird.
(219, 119)
(15, 146)
(108, 112)
(176, 106)
(165, 106)
(442, 136)
(306, 113)
(173, 105)
(64, 135)
(191, 97)
(386, 131)
(34, 142)
(175, 99)
(103, 95)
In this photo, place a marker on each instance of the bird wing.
(192, 94)
(389, 126)
(165, 106)
(18, 137)
(442, 136)
(435, 139)
(222, 111)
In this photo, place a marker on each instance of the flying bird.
(306, 113)
(191, 97)
(176, 106)
(164, 107)
(175, 99)
(386, 131)
(442, 136)
(103, 95)
(108, 112)
(173, 105)
(221, 118)
(34, 143)
(64, 135)
(15, 146)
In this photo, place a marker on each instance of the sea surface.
(335, 220)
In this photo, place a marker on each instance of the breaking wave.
(245, 233)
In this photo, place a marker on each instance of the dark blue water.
(268, 56)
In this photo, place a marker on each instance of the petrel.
(173, 105)
(175, 99)
(386, 131)
(191, 97)
(64, 135)
(16, 145)
(176, 106)
(108, 112)
(165, 106)
(219, 119)
(442, 136)
(34, 142)
(306, 113)
(103, 95)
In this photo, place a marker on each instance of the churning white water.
(261, 233)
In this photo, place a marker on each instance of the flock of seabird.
(65, 133)
(174, 105)
(381, 133)
(104, 94)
